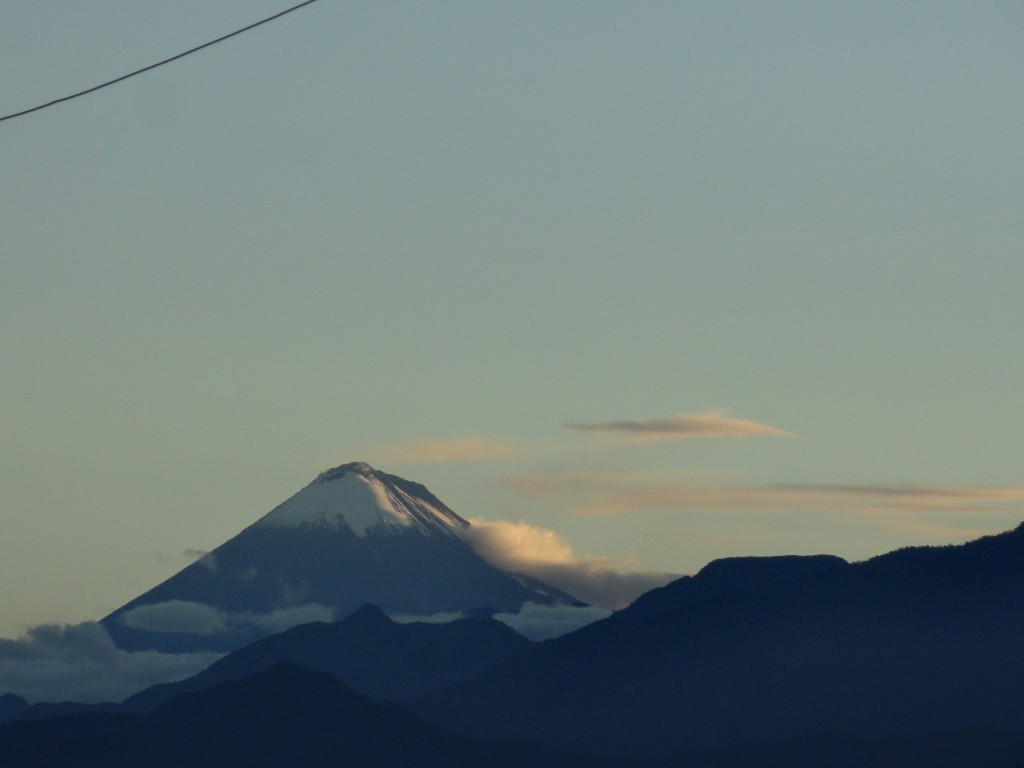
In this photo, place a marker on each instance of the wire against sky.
(158, 64)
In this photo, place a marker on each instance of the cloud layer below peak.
(79, 662)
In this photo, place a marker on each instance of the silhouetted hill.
(908, 660)
(761, 649)
(10, 705)
(973, 748)
(45, 709)
(368, 652)
(282, 717)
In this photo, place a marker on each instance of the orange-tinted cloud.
(541, 553)
(683, 425)
(466, 448)
(596, 493)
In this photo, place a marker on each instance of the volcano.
(353, 536)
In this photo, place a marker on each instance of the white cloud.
(539, 552)
(207, 559)
(543, 622)
(181, 616)
(429, 618)
(284, 618)
(532, 621)
(80, 662)
(200, 619)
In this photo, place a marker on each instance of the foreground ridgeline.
(760, 649)
(283, 716)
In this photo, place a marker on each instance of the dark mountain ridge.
(367, 651)
(287, 715)
(909, 659)
(758, 649)
(283, 716)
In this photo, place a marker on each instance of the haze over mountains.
(907, 659)
(353, 536)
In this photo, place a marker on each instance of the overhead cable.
(158, 64)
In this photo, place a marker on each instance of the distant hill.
(287, 716)
(283, 717)
(766, 649)
(368, 652)
(908, 660)
(960, 748)
(10, 705)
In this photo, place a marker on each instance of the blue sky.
(433, 236)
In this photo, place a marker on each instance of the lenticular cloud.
(683, 425)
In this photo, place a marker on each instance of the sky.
(636, 285)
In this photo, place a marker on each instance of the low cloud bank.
(79, 662)
(533, 620)
(543, 554)
(200, 619)
(428, 618)
(543, 622)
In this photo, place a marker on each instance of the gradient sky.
(673, 280)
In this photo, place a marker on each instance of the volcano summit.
(354, 535)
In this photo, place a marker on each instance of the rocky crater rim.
(358, 467)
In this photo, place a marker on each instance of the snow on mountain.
(358, 497)
(353, 536)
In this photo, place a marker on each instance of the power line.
(158, 64)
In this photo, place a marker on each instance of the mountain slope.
(286, 716)
(367, 651)
(961, 748)
(281, 717)
(352, 536)
(10, 705)
(757, 649)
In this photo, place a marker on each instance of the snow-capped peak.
(358, 497)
